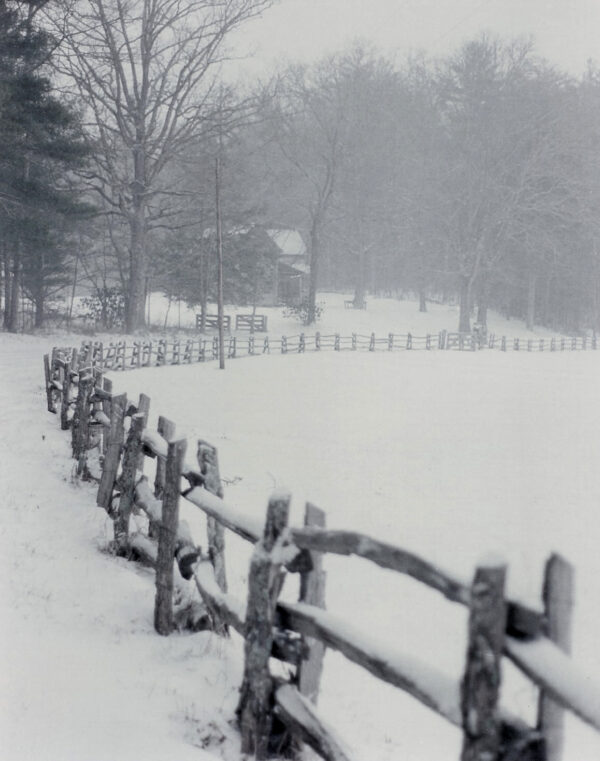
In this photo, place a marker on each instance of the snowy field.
(450, 455)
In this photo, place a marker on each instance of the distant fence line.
(109, 432)
(121, 355)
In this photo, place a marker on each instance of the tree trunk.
(464, 320)
(311, 315)
(531, 294)
(136, 307)
(7, 291)
(422, 300)
(13, 310)
(135, 316)
(39, 308)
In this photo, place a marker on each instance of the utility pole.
(220, 259)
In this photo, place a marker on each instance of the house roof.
(289, 241)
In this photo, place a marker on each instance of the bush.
(300, 311)
(106, 307)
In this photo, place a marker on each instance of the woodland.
(471, 179)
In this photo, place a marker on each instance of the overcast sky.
(567, 32)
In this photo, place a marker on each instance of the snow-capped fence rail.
(109, 430)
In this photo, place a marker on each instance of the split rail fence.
(273, 713)
(123, 355)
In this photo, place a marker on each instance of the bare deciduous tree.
(147, 71)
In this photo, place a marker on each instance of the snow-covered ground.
(383, 316)
(450, 455)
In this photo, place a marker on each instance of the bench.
(351, 304)
(257, 322)
(212, 321)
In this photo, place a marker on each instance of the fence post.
(558, 606)
(127, 482)
(481, 681)
(317, 340)
(503, 343)
(409, 341)
(166, 429)
(143, 409)
(312, 591)
(106, 408)
(390, 341)
(336, 342)
(208, 460)
(113, 452)
(354, 342)
(264, 583)
(80, 427)
(65, 398)
(302, 344)
(372, 342)
(167, 538)
(48, 377)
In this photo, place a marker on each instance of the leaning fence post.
(481, 681)
(208, 460)
(112, 457)
(254, 707)
(167, 538)
(312, 592)
(558, 607)
(127, 482)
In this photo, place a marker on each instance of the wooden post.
(167, 538)
(80, 418)
(558, 606)
(208, 460)
(48, 377)
(481, 681)
(143, 409)
(65, 398)
(166, 428)
(312, 591)
(106, 408)
(127, 482)
(254, 708)
(113, 451)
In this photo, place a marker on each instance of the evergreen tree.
(40, 144)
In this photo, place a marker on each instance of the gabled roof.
(289, 241)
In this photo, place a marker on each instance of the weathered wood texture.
(521, 621)
(254, 708)
(65, 399)
(48, 380)
(167, 539)
(558, 596)
(166, 429)
(127, 482)
(81, 423)
(143, 409)
(480, 687)
(208, 461)
(112, 456)
(312, 592)
(426, 684)
(299, 714)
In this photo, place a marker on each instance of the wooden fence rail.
(110, 430)
(125, 355)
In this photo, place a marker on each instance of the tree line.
(472, 179)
